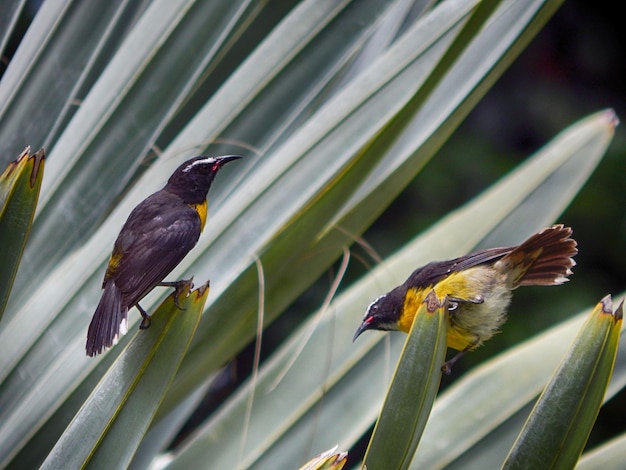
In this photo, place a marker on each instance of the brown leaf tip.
(619, 312)
(38, 159)
(607, 304)
(203, 288)
(432, 301)
(25, 154)
(14, 164)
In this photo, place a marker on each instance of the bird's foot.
(179, 287)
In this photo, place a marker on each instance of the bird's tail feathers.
(109, 323)
(545, 259)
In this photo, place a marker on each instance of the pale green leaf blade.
(608, 456)
(8, 18)
(66, 44)
(110, 425)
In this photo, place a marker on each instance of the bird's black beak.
(221, 161)
(364, 326)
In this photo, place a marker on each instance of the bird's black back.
(158, 234)
(432, 273)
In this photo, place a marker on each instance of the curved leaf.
(19, 191)
(560, 423)
(112, 421)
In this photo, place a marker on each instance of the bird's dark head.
(192, 180)
(383, 313)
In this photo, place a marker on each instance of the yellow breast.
(201, 209)
(412, 302)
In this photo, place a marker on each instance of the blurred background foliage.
(574, 67)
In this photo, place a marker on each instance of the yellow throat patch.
(201, 209)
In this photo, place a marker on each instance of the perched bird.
(477, 288)
(157, 235)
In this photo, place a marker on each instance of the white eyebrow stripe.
(209, 160)
(370, 305)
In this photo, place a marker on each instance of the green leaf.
(19, 191)
(110, 425)
(66, 44)
(560, 423)
(495, 400)
(413, 389)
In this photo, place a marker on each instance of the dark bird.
(157, 235)
(477, 288)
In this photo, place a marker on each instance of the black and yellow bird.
(157, 235)
(477, 287)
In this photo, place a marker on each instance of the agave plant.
(335, 106)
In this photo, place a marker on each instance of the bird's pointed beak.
(221, 161)
(365, 325)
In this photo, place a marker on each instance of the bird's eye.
(452, 306)
(373, 309)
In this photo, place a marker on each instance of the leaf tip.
(612, 118)
(607, 304)
(200, 294)
(203, 288)
(619, 312)
(433, 302)
(38, 159)
(607, 308)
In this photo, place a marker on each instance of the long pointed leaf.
(110, 425)
(19, 191)
(560, 423)
(412, 390)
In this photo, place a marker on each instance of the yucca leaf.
(560, 423)
(412, 390)
(19, 191)
(67, 44)
(110, 425)
(11, 12)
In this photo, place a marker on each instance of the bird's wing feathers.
(481, 257)
(151, 249)
(434, 272)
